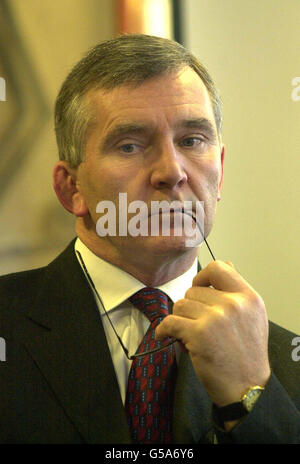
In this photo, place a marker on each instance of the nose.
(168, 170)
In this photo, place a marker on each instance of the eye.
(127, 148)
(192, 141)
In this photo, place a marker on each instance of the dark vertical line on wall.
(177, 21)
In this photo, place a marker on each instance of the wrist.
(228, 416)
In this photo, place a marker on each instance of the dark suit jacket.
(58, 383)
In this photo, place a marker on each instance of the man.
(140, 116)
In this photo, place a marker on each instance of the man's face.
(155, 142)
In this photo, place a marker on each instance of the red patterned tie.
(149, 400)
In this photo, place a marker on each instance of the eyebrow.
(137, 128)
(200, 124)
(122, 129)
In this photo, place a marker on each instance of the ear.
(64, 183)
(222, 172)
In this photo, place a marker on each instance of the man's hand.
(223, 324)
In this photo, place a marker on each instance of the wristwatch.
(251, 396)
(237, 410)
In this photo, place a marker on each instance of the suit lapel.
(64, 335)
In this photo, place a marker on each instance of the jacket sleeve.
(274, 419)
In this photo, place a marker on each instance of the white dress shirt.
(115, 286)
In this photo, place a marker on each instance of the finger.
(189, 309)
(230, 264)
(221, 276)
(173, 326)
(207, 295)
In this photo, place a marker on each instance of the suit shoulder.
(19, 282)
(25, 284)
(15, 290)
(281, 358)
(277, 333)
(280, 341)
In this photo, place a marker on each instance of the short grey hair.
(127, 59)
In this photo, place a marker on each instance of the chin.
(167, 246)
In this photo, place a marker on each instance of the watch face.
(251, 397)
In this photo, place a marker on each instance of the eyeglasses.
(145, 353)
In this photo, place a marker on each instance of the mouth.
(162, 211)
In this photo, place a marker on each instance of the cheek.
(116, 175)
(212, 180)
(107, 184)
(206, 181)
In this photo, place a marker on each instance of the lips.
(188, 213)
(168, 210)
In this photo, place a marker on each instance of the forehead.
(163, 99)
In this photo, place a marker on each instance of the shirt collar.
(105, 276)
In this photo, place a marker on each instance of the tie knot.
(152, 302)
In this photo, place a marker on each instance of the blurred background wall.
(251, 48)
(40, 43)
